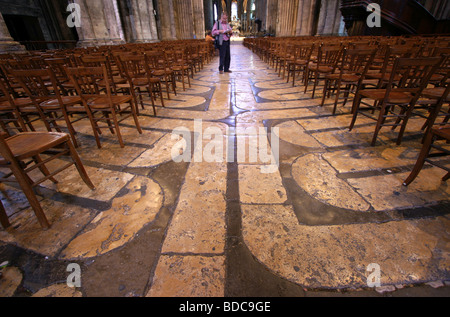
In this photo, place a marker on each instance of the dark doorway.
(24, 29)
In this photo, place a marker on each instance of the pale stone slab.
(318, 179)
(118, 225)
(58, 290)
(292, 132)
(10, 280)
(338, 256)
(387, 192)
(65, 220)
(257, 187)
(160, 153)
(202, 197)
(371, 158)
(107, 182)
(189, 276)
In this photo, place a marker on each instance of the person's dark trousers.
(225, 56)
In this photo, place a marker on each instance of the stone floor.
(228, 221)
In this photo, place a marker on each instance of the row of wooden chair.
(397, 77)
(103, 84)
(348, 67)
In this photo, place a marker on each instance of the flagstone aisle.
(228, 223)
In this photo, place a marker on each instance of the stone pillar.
(305, 17)
(209, 14)
(144, 23)
(167, 17)
(329, 18)
(100, 24)
(287, 17)
(184, 19)
(272, 16)
(198, 17)
(7, 43)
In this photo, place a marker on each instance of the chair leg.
(4, 217)
(381, 119)
(355, 108)
(31, 196)
(338, 92)
(37, 159)
(421, 159)
(325, 86)
(79, 165)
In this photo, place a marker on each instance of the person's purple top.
(224, 26)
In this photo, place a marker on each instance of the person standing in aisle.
(223, 30)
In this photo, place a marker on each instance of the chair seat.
(395, 97)
(5, 106)
(67, 100)
(103, 101)
(117, 80)
(23, 102)
(300, 62)
(321, 69)
(144, 81)
(28, 144)
(442, 132)
(434, 93)
(345, 77)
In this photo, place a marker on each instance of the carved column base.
(99, 42)
(11, 47)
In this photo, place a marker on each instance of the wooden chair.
(426, 155)
(10, 119)
(327, 61)
(103, 60)
(58, 67)
(18, 149)
(382, 72)
(302, 56)
(409, 76)
(159, 67)
(354, 67)
(433, 99)
(140, 78)
(181, 69)
(108, 108)
(47, 99)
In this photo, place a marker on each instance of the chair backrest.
(357, 60)
(134, 66)
(329, 55)
(58, 67)
(86, 79)
(303, 51)
(35, 82)
(412, 74)
(156, 60)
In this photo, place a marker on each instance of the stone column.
(287, 17)
(144, 23)
(7, 43)
(198, 17)
(305, 17)
(166, 13)
(100, 24)
(329, 18)
(271, 16)
(209, 14)
(184, 19)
